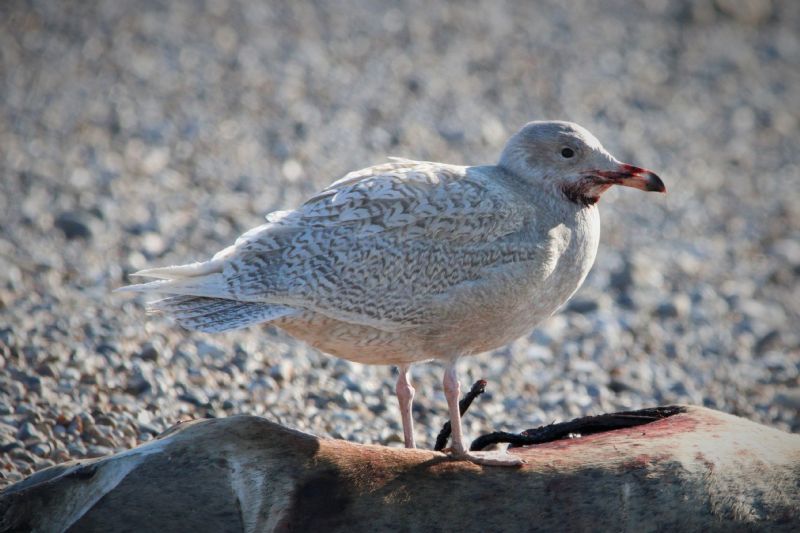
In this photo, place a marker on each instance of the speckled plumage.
(388, 263)
(411, 260)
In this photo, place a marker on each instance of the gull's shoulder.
(390, 180)
(417, 198)
(405, 192)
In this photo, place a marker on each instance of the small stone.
(21, 454)
(789, 398)
(29, 431)
(73, 225)
(87, 419)
(537, 352)
(8, 443)
(11, 477)
(770, 341)
(46, 369)
(41, 449)
(240, 358)
(753, 12)
(24, 408)
(583, 305)
(152, 244)
(198, 399)
(282, 371)
(105, 420)
(106, 348)
(636, 272)
(76, 449)
(679, 389)
(351, 383)
(155, 160)
(43, 463)
(206, 349)
(619, 386)
(393, 437)
(584, 366)
(148, 352)
(33, 384)
(148, 428)
(71, 375)
(676, 307)
(378, 408)
(102, 440)
(99, 451)
(141, 381)
(75, 426)
(60, 455)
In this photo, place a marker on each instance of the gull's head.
(572, 161)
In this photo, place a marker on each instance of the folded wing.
(372, 248)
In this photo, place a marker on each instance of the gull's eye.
(566, 153)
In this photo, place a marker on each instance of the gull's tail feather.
(213, 315)
(210, 285)
(191, 270)
(201, 299)
(194, 279)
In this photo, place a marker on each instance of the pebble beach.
(146, 134)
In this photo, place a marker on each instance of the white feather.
(181, 271)
(211, 285)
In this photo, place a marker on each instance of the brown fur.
(697, 471)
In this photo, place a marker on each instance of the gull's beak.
(631, 176)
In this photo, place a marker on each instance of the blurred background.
(149, 133)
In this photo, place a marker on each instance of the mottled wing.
(376, 246)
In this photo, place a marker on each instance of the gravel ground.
(138, 134)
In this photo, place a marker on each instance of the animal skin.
(700, 470)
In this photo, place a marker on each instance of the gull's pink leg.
(452, 391)
(405, 397)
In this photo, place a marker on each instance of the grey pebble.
(148, 428)
(194, 397)
(28, 431)
(21, 454)
(8, 443)
(76, 449)
(206, 349)
(99, 451)
(148, 352)
(769, 341)
(790, 399)
(73, 225)
(41, 449)
(282, 371)
(678, 306)
(141, 380)
(582, 305)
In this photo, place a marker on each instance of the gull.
(411, 261)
